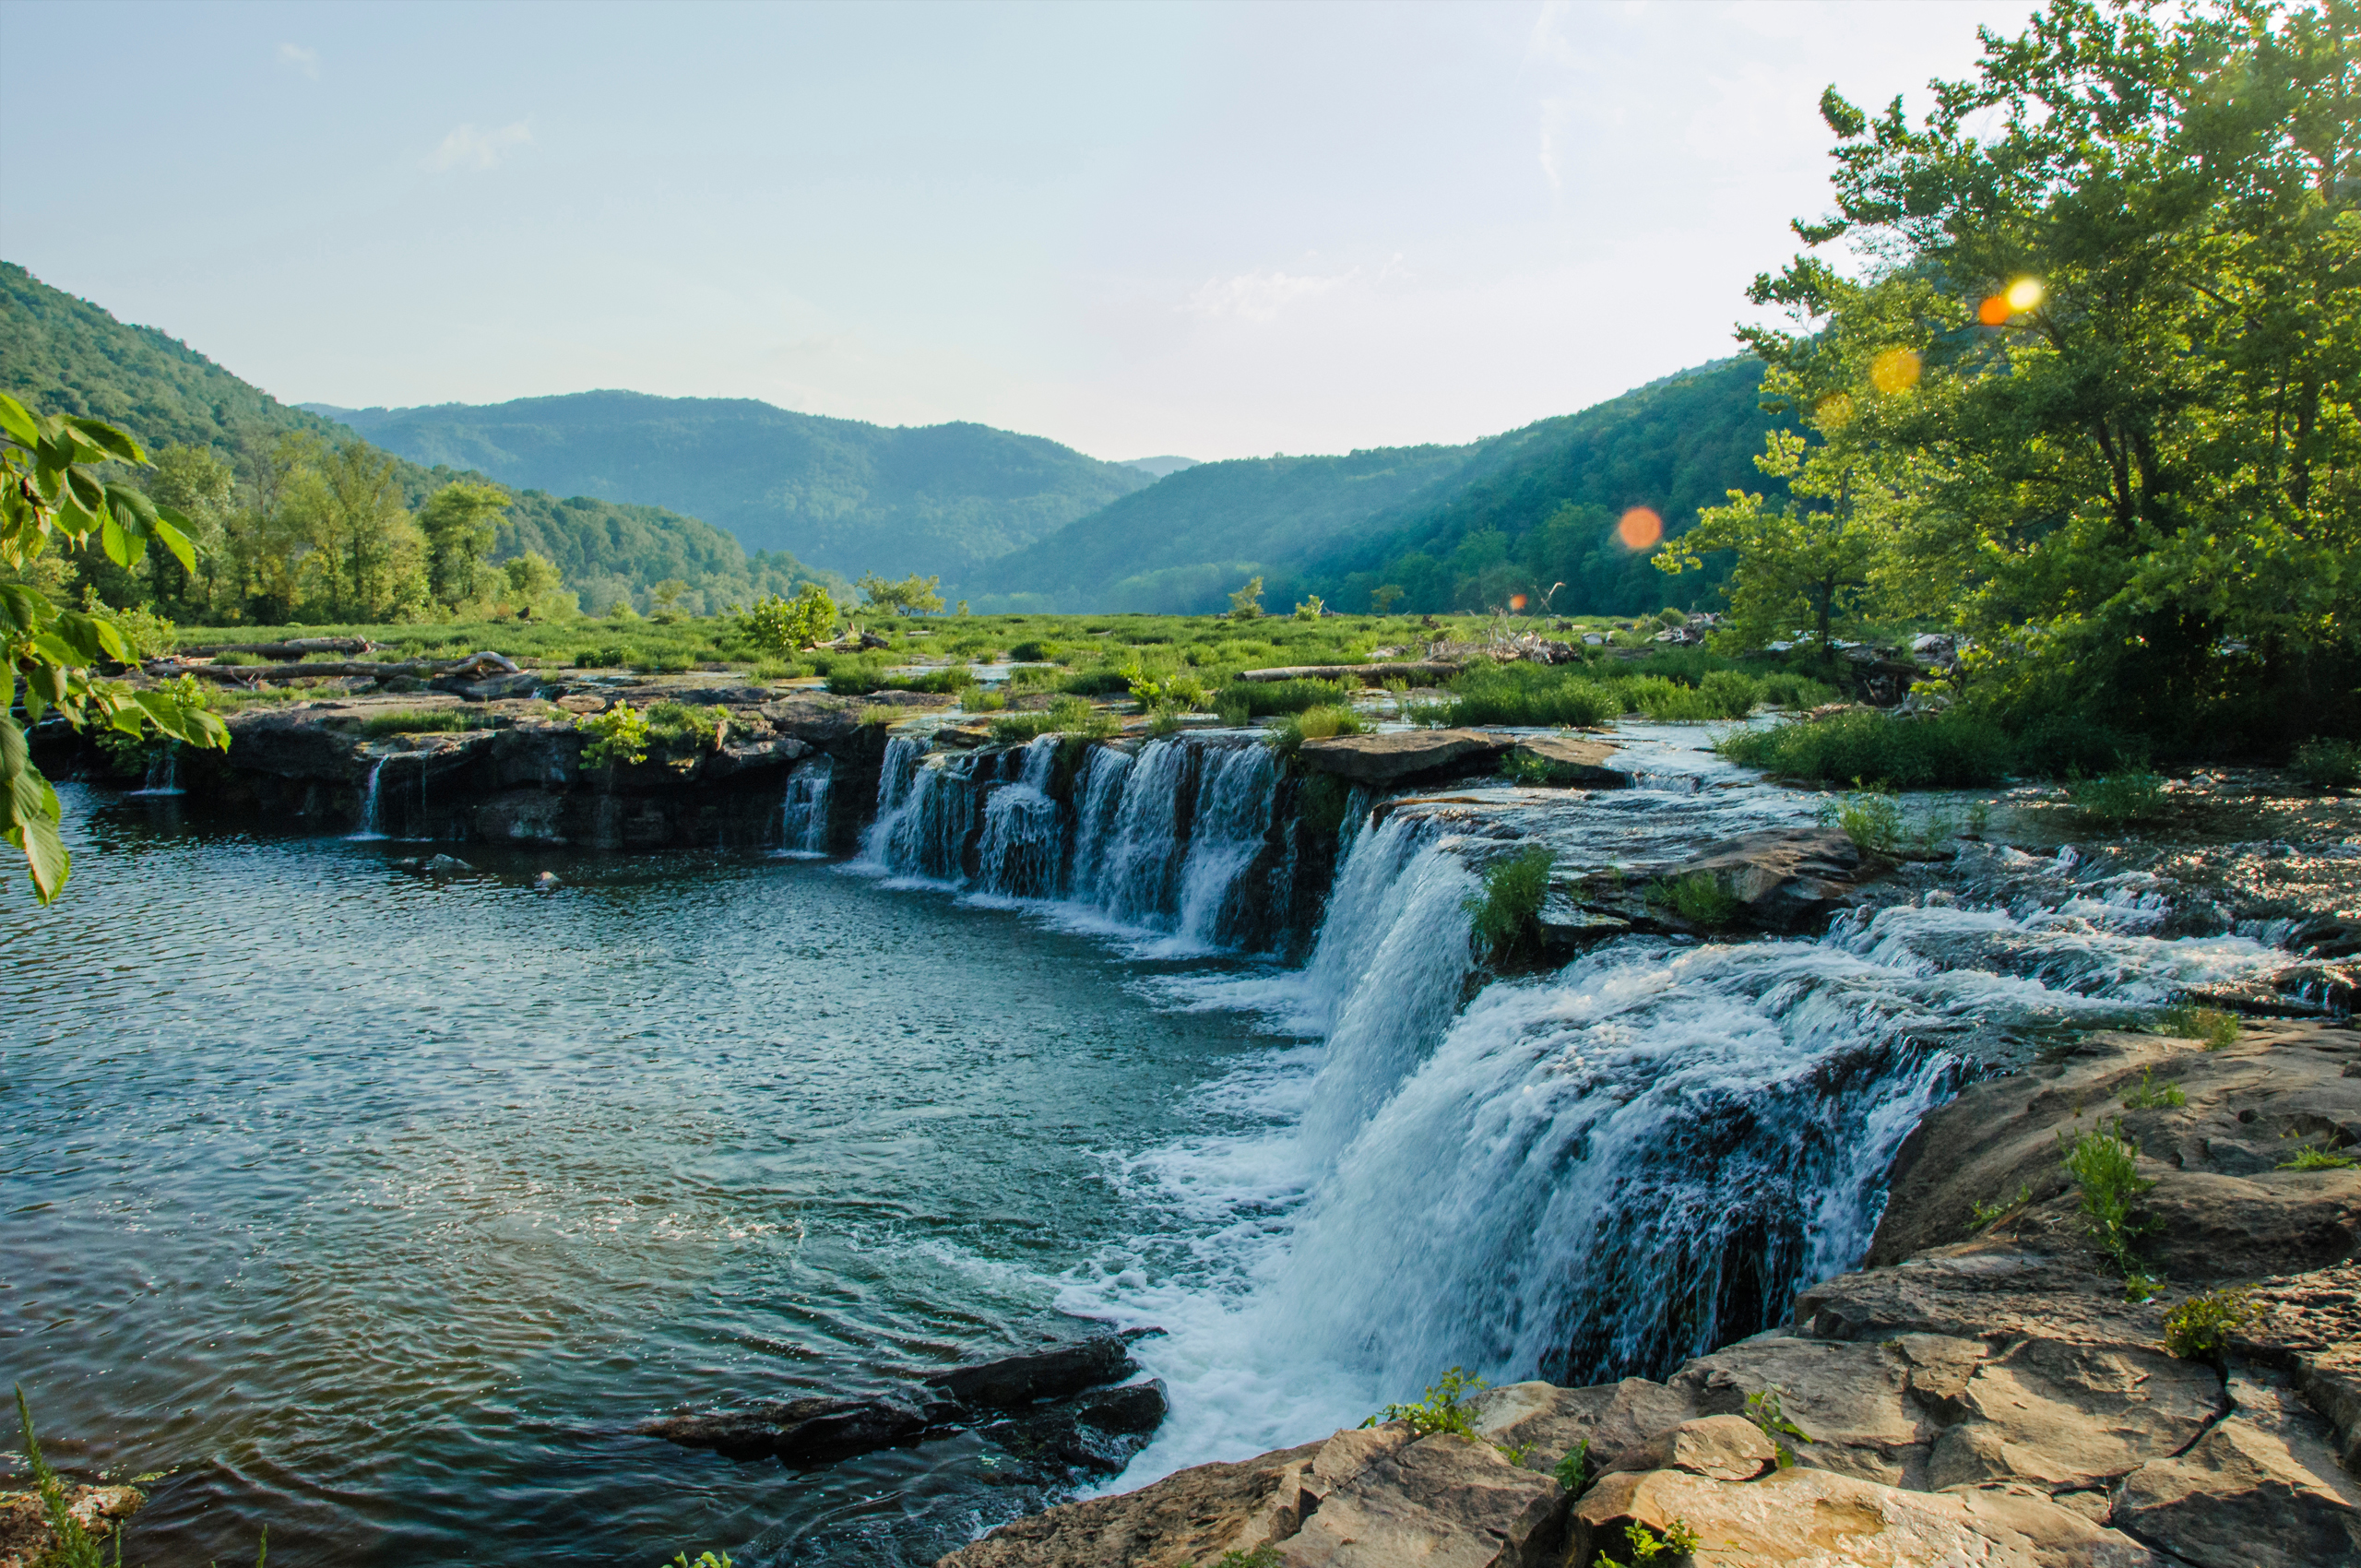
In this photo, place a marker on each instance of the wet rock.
(26, 1539)
(798, 1431)
(583, 702)
(1588, 763)
(755, 756)
(1014, 1382)
(1096, 1433)
(522, 817)
(1784, 879)
(445, 865)
(523, 683)
(1406, 756)
(547, 881)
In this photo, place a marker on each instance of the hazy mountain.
(60, 354)
(1157, 468)
(936, 499)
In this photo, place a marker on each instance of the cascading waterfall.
(803, 812)
(372, 807)
(163, 774)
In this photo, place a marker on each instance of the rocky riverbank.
(1981, 1392)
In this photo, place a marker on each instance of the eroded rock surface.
(25, 1538)
(1405, 756)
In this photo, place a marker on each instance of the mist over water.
(387, 1218)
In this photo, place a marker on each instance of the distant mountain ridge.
(932, 499)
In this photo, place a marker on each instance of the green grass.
(1313, 724)
(2200, 1329)
(1507, 915)
(2103, 1163)
(1259, 699)
(1527, 696)
(1067, 716)
(432, 721)
(1944, 751)
(2210, 1026)
(1700, 898)
(1871, 818)
(2119, 799)
(2328, 764)
(2310, 1157)
(2150, 1095)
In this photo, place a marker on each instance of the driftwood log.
(294, 648)
(1419, 671)
(475, 666)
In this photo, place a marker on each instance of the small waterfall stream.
(1581, 1175)
(803, 812)
(372, 806)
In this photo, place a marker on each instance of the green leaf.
(91, 638)
(32, 811)
(107, 439)
(24, 610)
(17, 423)
(169, 526)
(124, 546)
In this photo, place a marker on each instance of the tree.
(199, 484)
(2121, 267)
(1382, 599)
(781, 626)
(532, 582)
(1246, 604)
(51, 497)
(911, 596)
(373, 558)
(460, 523)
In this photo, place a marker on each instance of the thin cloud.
(295, 57)
(467, 148)
(1261, 296)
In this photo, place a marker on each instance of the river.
(378, 1208)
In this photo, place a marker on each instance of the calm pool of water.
(377, 1210)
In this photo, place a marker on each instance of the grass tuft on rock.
(1508, 913)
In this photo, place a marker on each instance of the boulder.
(523, 683)
(1189, 1518)
(1784, 878)
(1817, 1517)
(797, 1432)
(1724, 1448)
(1448, 1501)
(1404, 756)
(750, 757)
(1014, 1382)
(2260, 1490)
(1589, 763)
(1096, 1433)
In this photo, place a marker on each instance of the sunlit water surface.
(377, 1210)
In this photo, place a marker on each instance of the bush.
(676, 730)
(950, 678)
(1067, 716)
(1785, 689)
(1033, 650)
(2200, 1329)
(1508, 914)
(2208, 1026)
(854, 677)
(2118, 800)
(598, 659)
(2312, 1158)
(1445, 1408)
(1257, 699)
(1732, 693)
(620, 734)
(1947, 750)
(781, 626)
(1871, 818)
(1700, 898)
(2103, 1163)
(1314, 724)
(2329, 765)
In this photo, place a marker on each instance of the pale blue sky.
(1215, 229)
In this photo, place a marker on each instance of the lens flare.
(1516, 602)
(1834, 412)
(1896, 370)
(1994, 311)
(1640, 529)
(2025, 293)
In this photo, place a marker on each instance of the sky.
(1214, 230)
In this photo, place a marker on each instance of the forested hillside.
(1455, 528)
(935, 499)
(277, 500)
(1183, 544)
(1541, 506)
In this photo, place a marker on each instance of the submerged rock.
(1784, 878)
(27, 1537)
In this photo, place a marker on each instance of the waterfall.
(372, 807)
(163, 776)
(803, 812)
(1164, 845)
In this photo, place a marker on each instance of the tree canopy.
(2091, 405)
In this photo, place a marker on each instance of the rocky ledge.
(1983, 1392)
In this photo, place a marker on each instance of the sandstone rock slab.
(1404, 756)
(1188, 1518)
(1784, 879)
(1589, 763)
(1438, 1501)
(1722, 1448)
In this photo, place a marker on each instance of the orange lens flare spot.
(1896, 370)
(1640, 529)
(1516, 602)
(1994, 311)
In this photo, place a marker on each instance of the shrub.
(1033, 650)
(1986, 1214)
(855, 677)
(1257, 698)
(1445, 1408)
(1095, 683)
(1264, 1556)
(2329, 765)
(1246, 604)
(1785, 689)
(2103, 1163)
(1947, 750)
(1067, 716)
(949, 679)
(620, 734)
(1574, 1468)
(2200, 1329)
(2117, 799)
(598, 659)
(983, 699)
(2150, 1095)
(1732, 695)
(1310, 609)
(1666, 702)
(1700, 898)
(2210, 1026)
(781, 625)
(1678, 1540)
(1871, 818)
(1525, 767)
(1508, 914)
(677, 729)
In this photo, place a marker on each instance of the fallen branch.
(294, 648)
